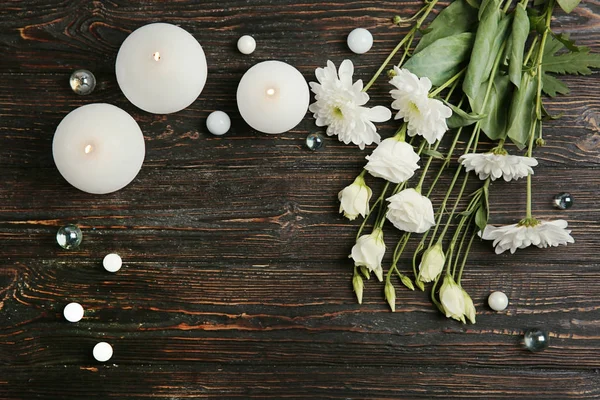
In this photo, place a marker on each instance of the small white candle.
(98, 148)
(102, 351)
(161, 68)
(273, 97)
(112, 262)
(73, 312)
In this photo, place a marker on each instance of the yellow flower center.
(338, 112)
(413, 107)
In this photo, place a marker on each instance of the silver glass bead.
(315, 141)
(535, 339)
(69, 237)
(82, 81)
(563, 201)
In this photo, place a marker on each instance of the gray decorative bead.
(315, 141)
(563, 201)
(535, 339)
(82, 81)
(69, 237)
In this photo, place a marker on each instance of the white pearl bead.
(112, 262)
(246, 44)
(360, 41)
(102, 351)
(73, 312)
(498, 301)
(218, 123)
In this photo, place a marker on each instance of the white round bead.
(112, 262)
(360, 40)
(73, 312)
(498, 301)
(102, 351)
(246, 44)
(218, 123)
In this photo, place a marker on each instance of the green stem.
(375, 205)
(462, 266)
(448, 82)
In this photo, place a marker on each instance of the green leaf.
(442, 59)
(495, 124)
(483, 8)
(547, 115)
(536, 21)
(458, 17)
(518, 37)
(568, 5)
(433, 153)
(553, 86)
(567, 42)
(460, 117)
(473, 3)
(571, 63)
(502, 34)
(522, 112)
(482, 48)
(481, 217)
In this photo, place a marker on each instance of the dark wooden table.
(236, 280)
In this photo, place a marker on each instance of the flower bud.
(469, 307)
(391, 73)
(539, 142)
(358, 285)
(420, 285)
(406, 281)
(432, 263)
(452, 299)
(390, 295)
(397, 19)
(354, 199)
(365, 272)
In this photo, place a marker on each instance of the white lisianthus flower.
(432, 263)
(526, 233)
(425, 116)
(410, 211)
(354, 199)
(368, 252)
(493, 165)
(393, 160)
(470, 311)
(452, 299)
(339, 106)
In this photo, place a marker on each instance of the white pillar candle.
(73, 312)
(273, 97)
(161, 68)
(102, 351)
(98, 148)
(112, 262)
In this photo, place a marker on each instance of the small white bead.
(246, 44)
(218, 123)
(498, 301)
(360, 41)
(102, 351)
(73, 312)
(112, 262)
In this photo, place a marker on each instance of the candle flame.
(270, 92)
(88, 149)
(156, 56)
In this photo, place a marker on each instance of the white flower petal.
(410, 211)
(393, 160)
(543, 234)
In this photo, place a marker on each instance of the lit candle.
(273, 97)
(161, 68)
(98, 148)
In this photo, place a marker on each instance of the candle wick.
(270, 92)
(156, 56)
(88, 149)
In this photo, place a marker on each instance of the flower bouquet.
(479, 69)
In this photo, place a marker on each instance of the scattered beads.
(246, 44)
(315, 141)
(82, 81)
(69, 237)
(498, 301)
(112, 262)
(102, 351)
(218, 123)
(73, 312)
(360, 41)
(563, 201)
(535, 339)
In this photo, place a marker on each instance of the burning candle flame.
(88, 149)
(156, 56)
(270, 92)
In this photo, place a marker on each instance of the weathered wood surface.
(237, 282)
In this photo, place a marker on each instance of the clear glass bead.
(82, 81)
(315, 141)
(69, 237)
(535, 339)
(563, 201)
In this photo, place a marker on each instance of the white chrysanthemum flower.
(339, 106)
(425, 116)
(393, 160)
(493, 165)
(526, 233)
(410, 211)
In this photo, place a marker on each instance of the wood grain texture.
(236, 281)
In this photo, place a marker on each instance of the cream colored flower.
(526, 233)
(432, 263)
(452, 299)
(368, 251)
(340, 104)
(425, 116)
(470, 311)
(494, 166)
(410, 211)
(393, 160)
(354, 199)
